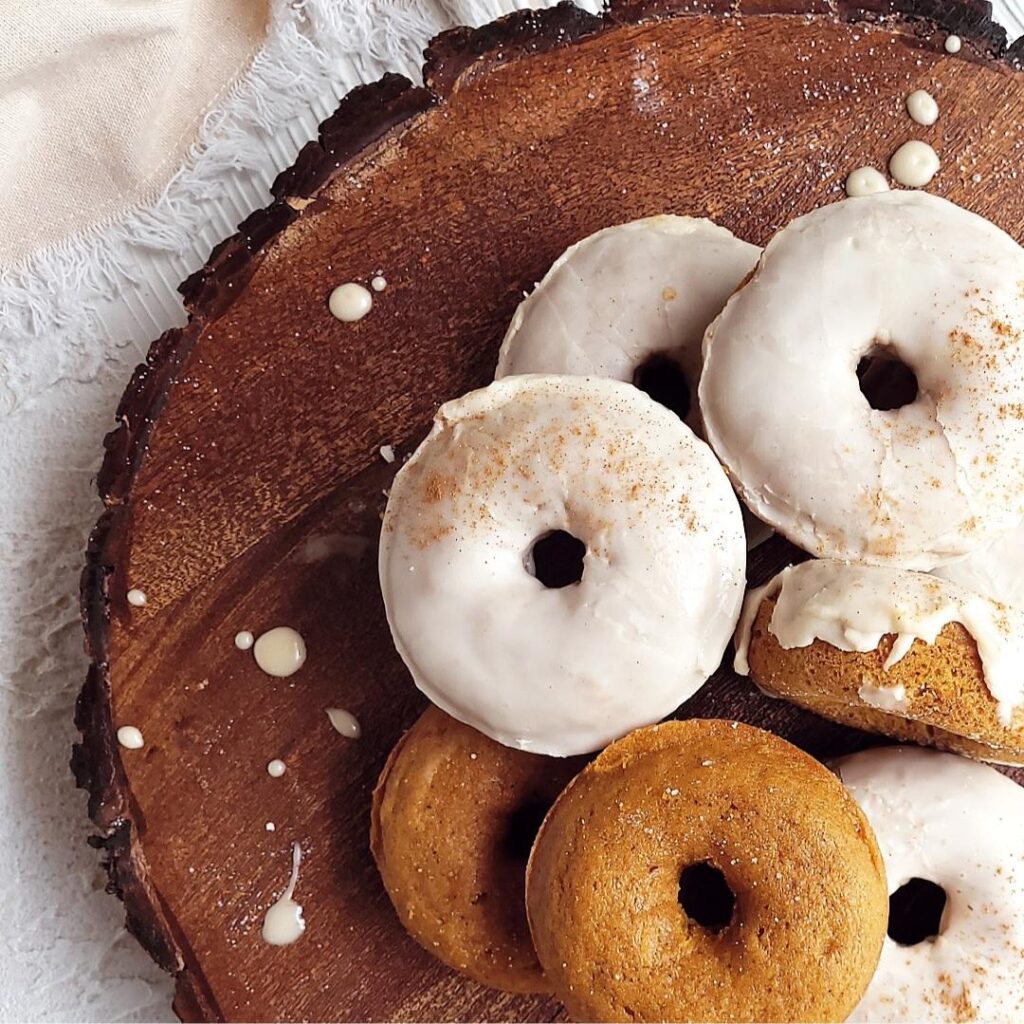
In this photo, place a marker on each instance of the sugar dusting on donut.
(561, 668)
(910, 276)
(851, 607)
(958, 825)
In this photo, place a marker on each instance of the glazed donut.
(705, 870)
(902, 275)
(628, 300)
(958, 825)
(902, 653)
(561, 560)
(454, 816)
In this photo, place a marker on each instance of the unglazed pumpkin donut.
(902, 653)
(705, 870)
(901, 275)
(454, 816)
(951, 833)
(631, 302)
(562, 560)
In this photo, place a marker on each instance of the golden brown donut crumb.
(604, 894)
(454, 815)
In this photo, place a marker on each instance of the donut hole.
(885, 380)
(663, 379)
(556, 559)
(705, 896)
(915, 912)
(521, 829)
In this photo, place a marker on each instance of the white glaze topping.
(561, 671)
(276, 768)
(350, 302)
(130, 737)
(958, 824)
(284, 923)
(952, 44)
(891, 699)
(136, 597)
(378, 283)
(648, 287)
(914, 164)
(280, 651)
(922, 108)
(344, 723)
(915, 486)
(866, 181)
(851, 607)
(387, 453)
(244, 640)
(996, 570)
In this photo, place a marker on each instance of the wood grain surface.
(244, 487)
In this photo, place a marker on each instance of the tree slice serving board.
(243, 483)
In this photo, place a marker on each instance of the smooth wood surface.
(245, 485)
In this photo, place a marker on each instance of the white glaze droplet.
(953, 44)
(244, 640)
(136, 597)
(270, 826)
(284, 922)
(976, 178)
(350, 302)
(276, 768)
(130, 737)
(891, 699)
(378, 284)
(866, 181)
(914, 164)
(345, 723)
(387, 453)
(280, 651)
(921, 106)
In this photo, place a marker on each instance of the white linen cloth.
(100, 101)
(75, 317)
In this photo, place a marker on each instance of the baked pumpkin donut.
(631, 302)
(902, 653)
(952, 835)
(454, 815)
(706, 870)
(932, 470)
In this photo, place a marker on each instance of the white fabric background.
(63, 954)
(99, 104)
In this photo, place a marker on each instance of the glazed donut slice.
(561, 560)
(902, 653)
(952, 835)
(631, 302)
(865, 389)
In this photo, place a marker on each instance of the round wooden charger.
(243, 484)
